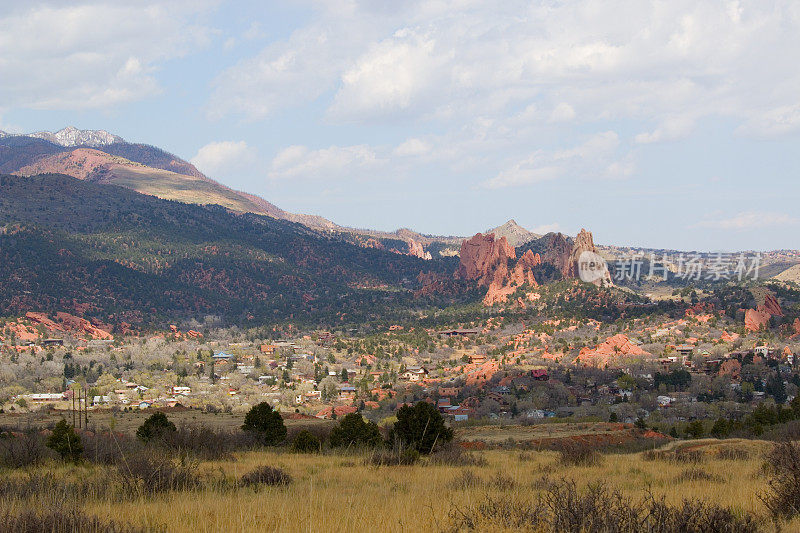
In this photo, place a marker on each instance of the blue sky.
(665, 124)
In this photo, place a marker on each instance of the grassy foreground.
(340, 492)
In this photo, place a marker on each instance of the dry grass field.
(341, 492)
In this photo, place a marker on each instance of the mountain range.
(129, 233)
(102, 157)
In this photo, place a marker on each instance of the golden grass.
(341, 493)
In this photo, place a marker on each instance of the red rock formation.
(755, 319)
(505, 282)
(558, 250)
(415, 248)
(796, 326)
(758, 318)
(585, 243)
(613, 348)
(480, 257)
(564, 255)
(771, 306)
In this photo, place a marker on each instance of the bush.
(562, 507)
(306, 442)
(265, 422)
(59, 521)
(579, 454)
(454, 455)
(156, 426)
(152, 473)
(782, 498)
(353, 430)
(108, 448)
(207, 443)
(421, 427)
(266, 475)
(396, 457)
(23, 449)
(65, 442)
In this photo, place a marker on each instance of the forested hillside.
(109, 252)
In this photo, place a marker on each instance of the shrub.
(59, 521)
(732, 453)
(108, 448)
(353, 430)
(697, 474)
(782, 498)
(155, 427)
(454, 455)
(579, 454)
(306, 442)
(65, 442)
(265, 475)
(466, 480)
(397, 457)
(23, 449)
(152, 473)
(207, 443)
(679, 456)
(421, 427)
(562, 507)
(265, 422)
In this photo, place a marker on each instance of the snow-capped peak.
(72, 136)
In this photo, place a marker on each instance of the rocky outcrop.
(564, 253)
(611, 351)
(585, 243)
(771, 306)
(506, 282)
(754, 319)
(481, 256)
(557, 253)
(415, 248)
(758, 318)
(796, 326)
(488, 262)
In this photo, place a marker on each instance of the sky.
(668, 124)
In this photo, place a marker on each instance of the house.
(182, 391)
(414, 373)
(46, 397)
(97, 400)
(48, 343)
(449, 391)
(458, 332)
(477, 359)
(222, 356)
(347, 393)
(685, 349)
(145, 404)
(443, 405)
(267, 349)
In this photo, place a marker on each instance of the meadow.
(486, 490)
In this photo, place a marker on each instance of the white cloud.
(544, 229)
(581, 161)
(563, 112)
(326, 163)
(671, 129)
(448, 61)
(223, 158)
(412, 147)
(59, 56)
(750, 220)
